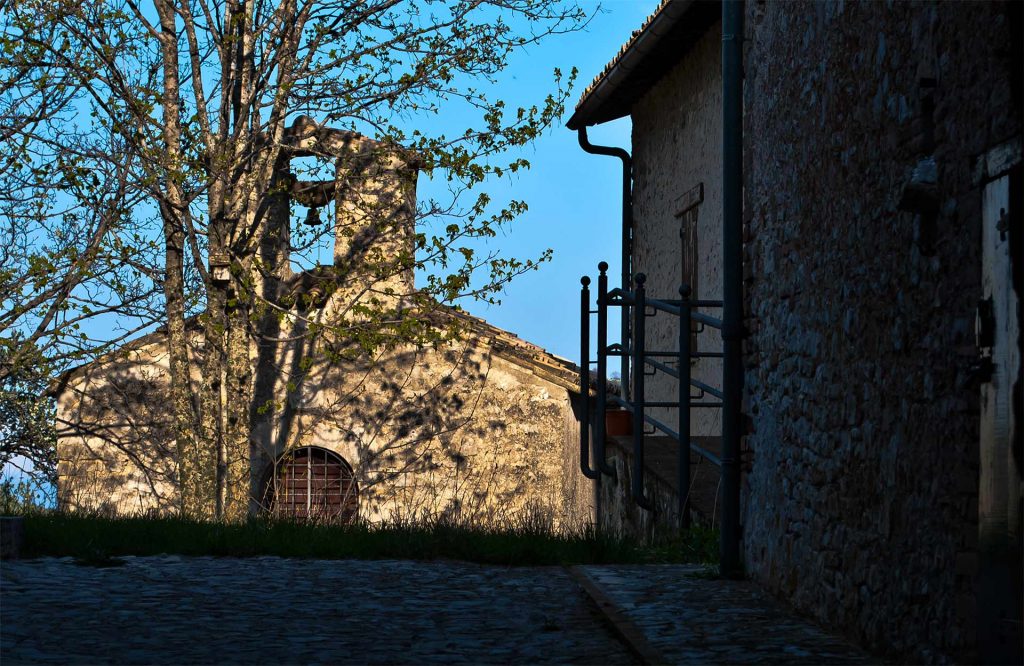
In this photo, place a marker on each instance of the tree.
(70, 248)
(206, 107)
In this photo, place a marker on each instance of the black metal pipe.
(638, 396)
(631, 407)
(706, 455)
(660, 403)
(627, 229)
(664, 306)
(707, 320)
(673, 403)
(658, 365)
(692, 448)
(658, 425)
(732, 290)
(666, 354)
(602, 372)
(672, 307)
(693, 303)
(696, 383)
(621, 293)
(683, 464)
(585, 380)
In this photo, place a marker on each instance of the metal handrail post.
(585, 380)
(683, 469)
(601, 461)
(639, 324)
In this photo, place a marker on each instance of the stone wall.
(459, 431)
(677, 146)
(861, 502)
(115, 441)
(620, 515)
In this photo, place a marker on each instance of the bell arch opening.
(311, 483)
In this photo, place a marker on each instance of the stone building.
(478, 426)
(882, 374)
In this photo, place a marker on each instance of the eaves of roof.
(650, 53)
(517, 351)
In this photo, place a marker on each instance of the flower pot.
(618, 422)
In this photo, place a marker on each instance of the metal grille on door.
(314, 484)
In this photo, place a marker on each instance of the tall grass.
(99, 538)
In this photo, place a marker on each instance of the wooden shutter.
(687, 207)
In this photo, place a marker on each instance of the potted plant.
(617, 421)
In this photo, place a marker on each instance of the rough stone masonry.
(861, 504)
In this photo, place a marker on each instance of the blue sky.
(574, 197)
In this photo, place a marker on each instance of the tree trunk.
(193, 463)
(236, 480)
(211, 394)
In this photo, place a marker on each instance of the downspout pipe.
(591, 474)
(627, 239)
(732, 268)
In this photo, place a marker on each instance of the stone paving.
(264, 610)
(720, 621)
(271, 610)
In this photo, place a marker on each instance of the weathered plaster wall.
(677, 145)
(861, 501)
(454, 431)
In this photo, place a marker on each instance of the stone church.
(478, 426)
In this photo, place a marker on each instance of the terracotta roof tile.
(652, 50)
(622, 51)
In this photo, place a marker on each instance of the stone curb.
(623, 627)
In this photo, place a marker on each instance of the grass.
(98, 540)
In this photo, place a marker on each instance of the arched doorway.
(312, 483)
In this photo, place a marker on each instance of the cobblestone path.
(174, 610)
(720, 621)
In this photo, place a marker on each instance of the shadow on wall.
(454, 433)
(115, 444)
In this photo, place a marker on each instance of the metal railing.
(687, 310)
